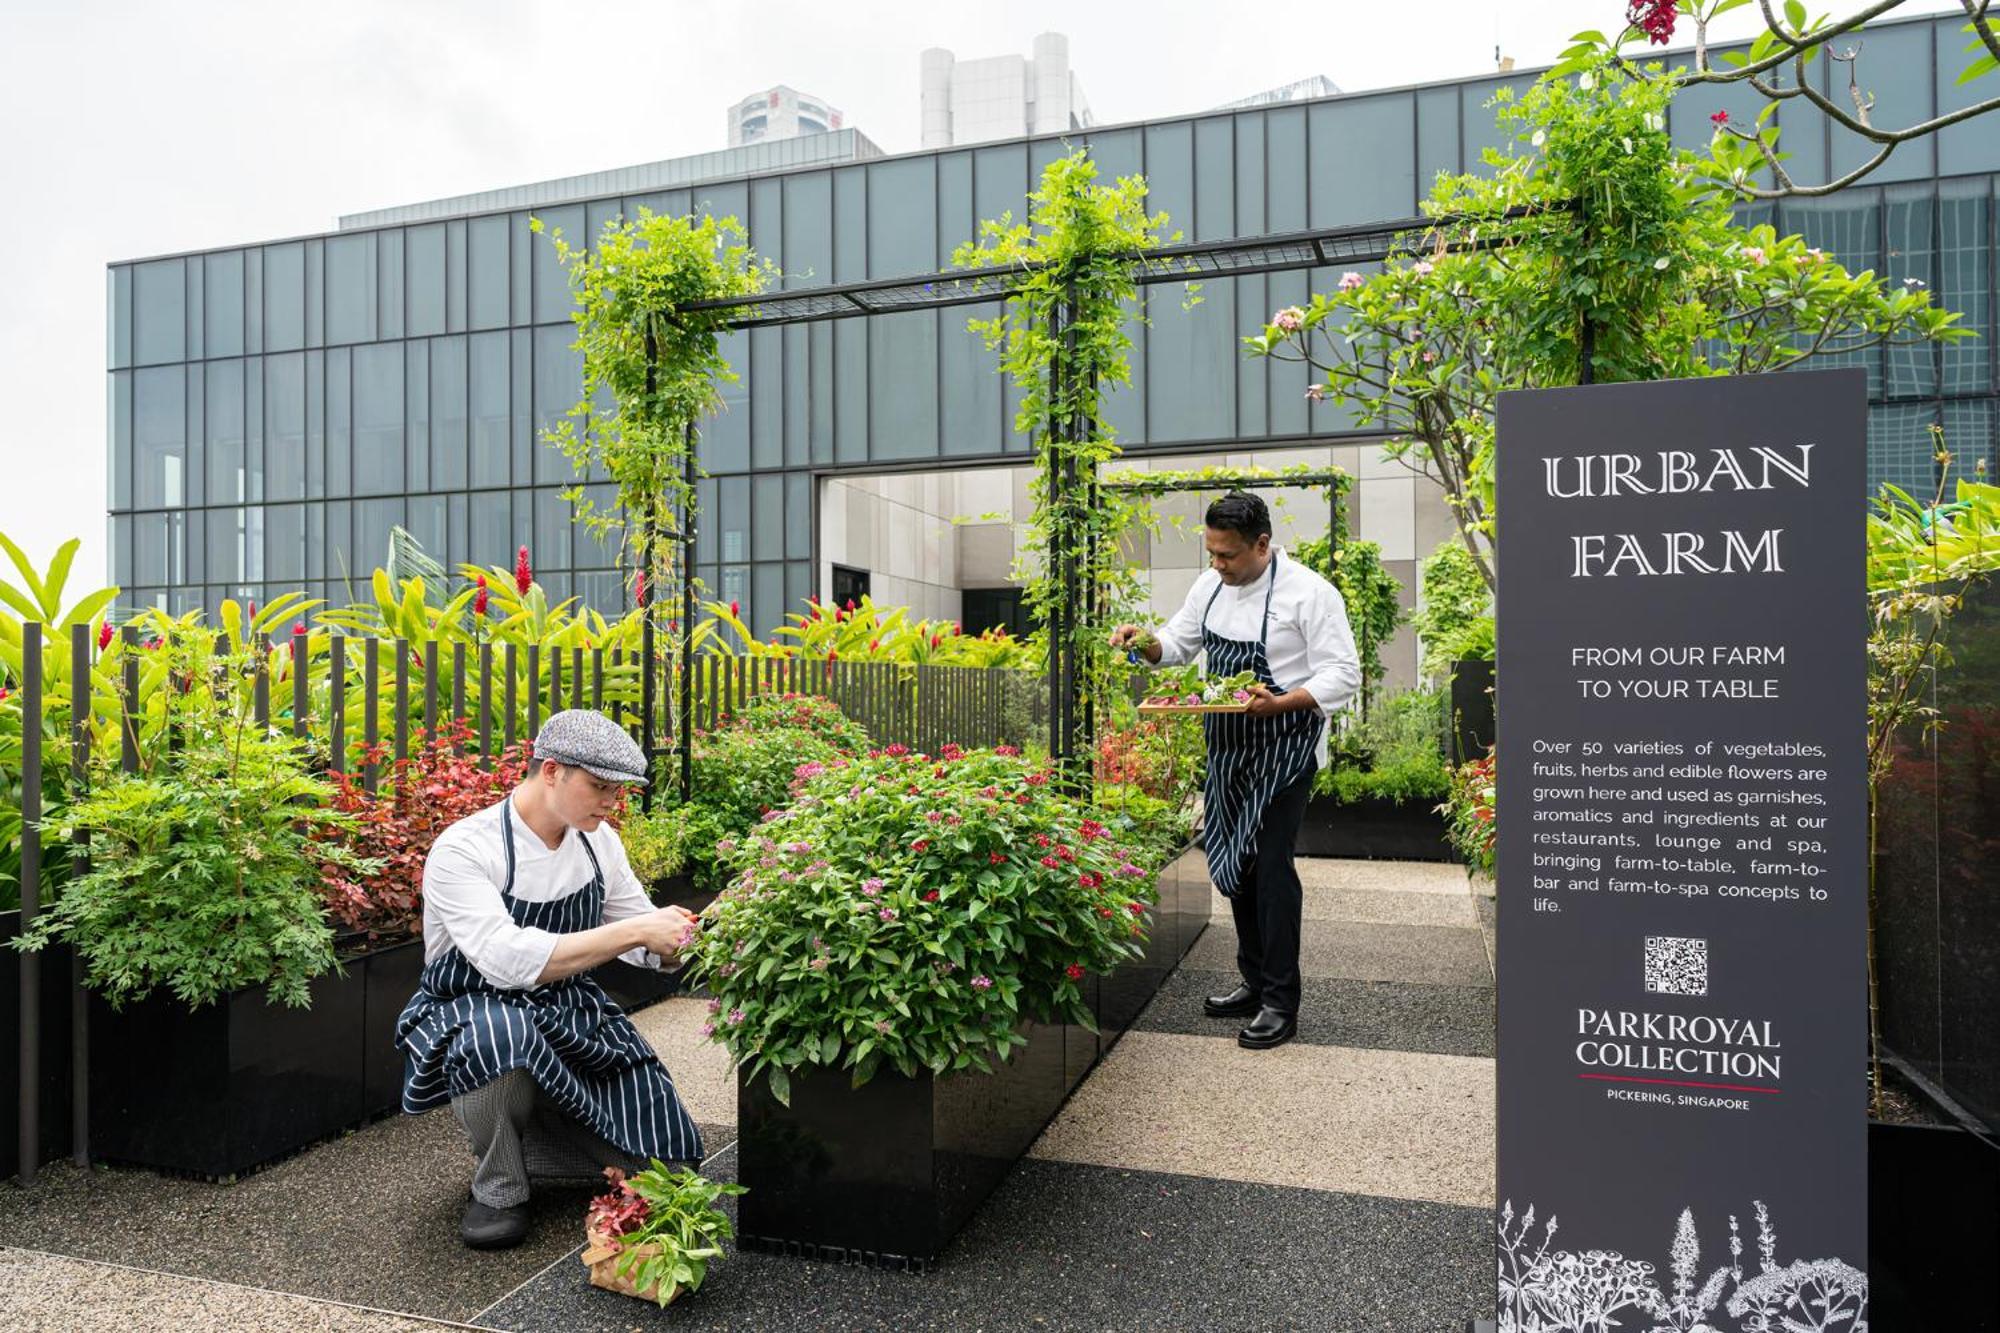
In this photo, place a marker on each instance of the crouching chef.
(547, 1076)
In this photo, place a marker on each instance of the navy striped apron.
(1250, 759)
(460, 1032)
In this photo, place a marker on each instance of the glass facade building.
(275, 408)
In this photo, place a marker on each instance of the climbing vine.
(652, 368)
(1063, 338)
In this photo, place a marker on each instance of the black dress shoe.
(1269, 1028)
(485, 1228)
(1236, 1004)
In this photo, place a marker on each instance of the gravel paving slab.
(1387, 907)
(1440, 877)
(1381, 1015)
(371, 1218)
(700, 1068)
(1365, 951)
(1389, 1123)
(1067, 1247)
(51, 1294)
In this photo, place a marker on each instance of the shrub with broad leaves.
(915, 911)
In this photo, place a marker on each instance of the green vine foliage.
(1373, 596)
(1454, 598)
(1074, 248)
(1591, 230)
(652, 366)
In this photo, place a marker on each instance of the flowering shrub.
(663, 1227)
(750, 764)
(1470, 810)
(419, 798)
(914, 911)
(803, 712)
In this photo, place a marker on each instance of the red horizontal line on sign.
(1678, 1083)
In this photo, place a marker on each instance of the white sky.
(130, 129)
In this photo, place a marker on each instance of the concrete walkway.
(1341, 1182)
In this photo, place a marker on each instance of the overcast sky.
(130, 129)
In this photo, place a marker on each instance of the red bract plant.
(524, 574)
(440, 783)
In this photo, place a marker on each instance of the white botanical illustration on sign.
(1546, 1290)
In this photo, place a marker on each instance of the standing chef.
(546, 1075)
(1255, 610)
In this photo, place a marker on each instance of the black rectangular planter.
(1933, 1227)
(223, 1089)
(889, 1171)
(53, 1106)
(1472, 710)
(1376, 829)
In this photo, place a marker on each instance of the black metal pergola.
(1069, 715)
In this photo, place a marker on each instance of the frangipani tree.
(1588, 252)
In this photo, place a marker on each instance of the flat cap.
(594, 743)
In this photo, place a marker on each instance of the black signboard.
(1682, 857)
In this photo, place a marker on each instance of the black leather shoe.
(1238, 1003)
(1269, 1028)
(484, 1228)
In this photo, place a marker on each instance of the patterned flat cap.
(594, 743)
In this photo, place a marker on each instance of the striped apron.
(1250, 759)
(460, 1032)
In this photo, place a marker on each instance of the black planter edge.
(351, 969)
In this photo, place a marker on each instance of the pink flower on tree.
(524, 573)
(982, 983)
(1350, 281)
(1315, 393)
(1422, 268)
(1720, 118)
(1290, 320)
(1655, 18)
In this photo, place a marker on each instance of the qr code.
(1676, 966)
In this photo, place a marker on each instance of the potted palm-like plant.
(652, 1234)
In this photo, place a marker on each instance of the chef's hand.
(666, 931)
(1263, 703)
(1134, 636)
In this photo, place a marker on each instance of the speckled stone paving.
(1339, 1183)
(1382, 1015)
(1066, 1247)
(1365, 951)
(51, 1294)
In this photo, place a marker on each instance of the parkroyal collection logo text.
(1677, 472)
(1673, 1046)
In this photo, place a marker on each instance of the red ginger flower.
(639, 588)
(524, 573)
(104, 633)
(480, 598)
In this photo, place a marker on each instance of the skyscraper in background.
(780, 113)
(1001, 97)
